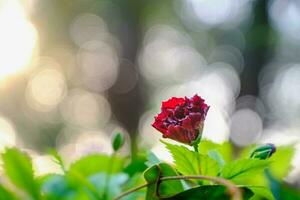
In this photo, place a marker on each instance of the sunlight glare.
(18, 38)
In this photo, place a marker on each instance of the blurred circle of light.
(252, 102)
(87, 27)
(285, 16)
(92, 142)
(188, 64)
(215, 12)
(228, 74)
(216, 126)
(167, 54)
(85, 109)
(245, 126)
(46, 90)
(218, 85)
(99, 65)
(18, 38)
(283, 96)
(7, 133)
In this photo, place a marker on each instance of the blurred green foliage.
(100, 176)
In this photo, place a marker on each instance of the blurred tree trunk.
(259, 46)
(127, 107)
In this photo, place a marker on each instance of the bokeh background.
(73, 72)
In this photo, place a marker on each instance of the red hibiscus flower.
(182, 119)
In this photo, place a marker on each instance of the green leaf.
(157, 189)
(211, 192)
(152, 159)
(55, 187)
(5, 194)
(57, 159)
(135, 180)
(281, 161)
(224, 149)
(115, 182)
(118, 141)
(261, 192)
(242, 168)
(18, 167)
(216, 156)
(192, 163)
(170, 187)
(281, 190)
(79, 182)
(289, 193)
(137, 165)
(96, 163)
(152, 176)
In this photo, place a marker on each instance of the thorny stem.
(233, 190)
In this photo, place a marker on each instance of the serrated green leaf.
(224, 149)
(242, 168)
(96, 163)
(211, 192)
(192, 163)
(18, 167)
(279, 168)
(160, 189)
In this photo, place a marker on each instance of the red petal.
(178, 133)
(192, 121)
(197, 100)
(158, 125)
(172, 103)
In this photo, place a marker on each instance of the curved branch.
(131, 191)
(233, 190)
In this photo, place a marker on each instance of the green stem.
(233, 190)
(196, 147)
(132, 190)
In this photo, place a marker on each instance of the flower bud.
(118, 141)
(263, 152)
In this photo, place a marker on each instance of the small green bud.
(118, 141)
(263, 152)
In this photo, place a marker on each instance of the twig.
(132, 190)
